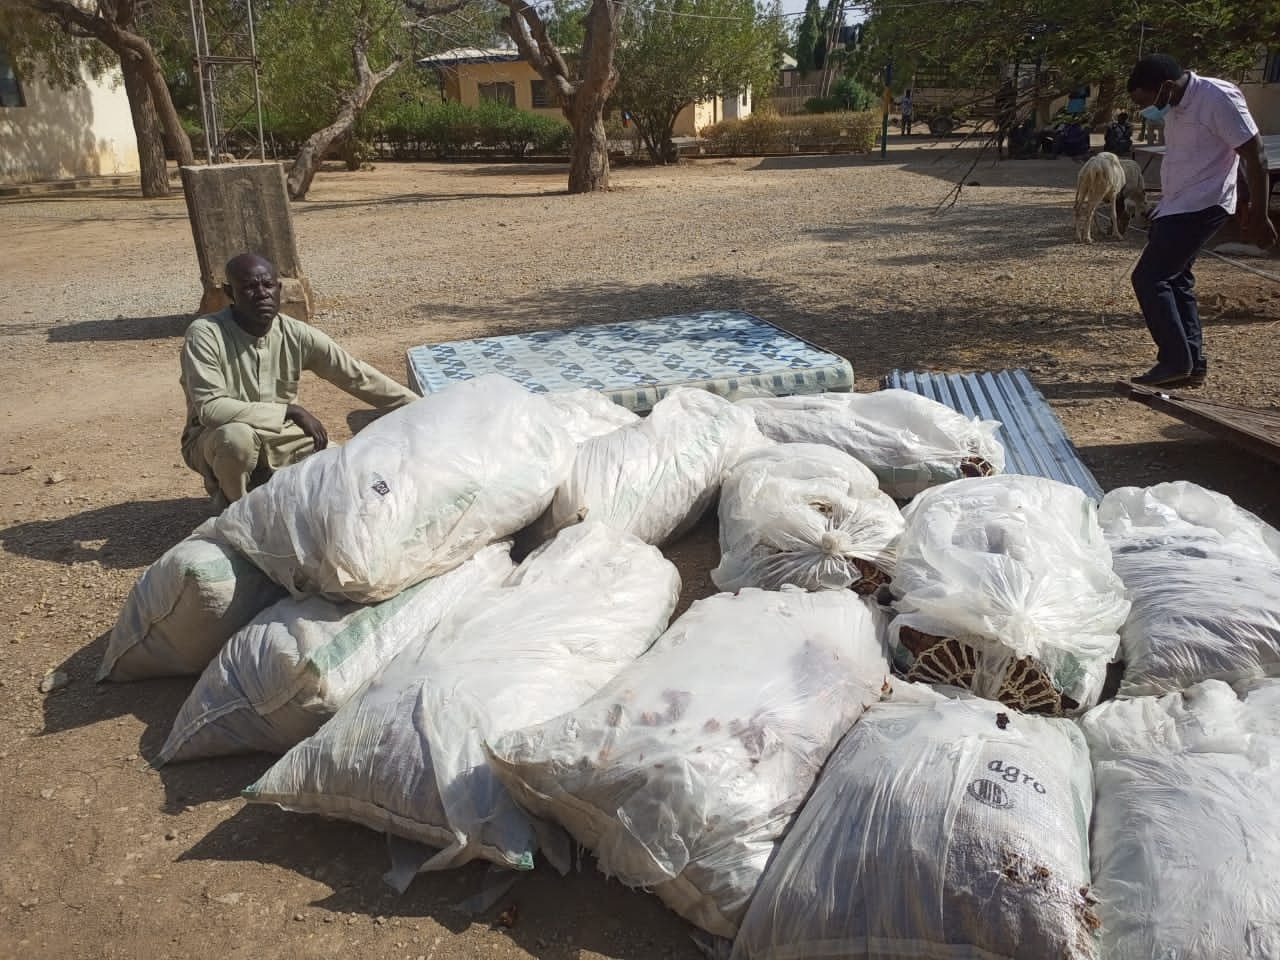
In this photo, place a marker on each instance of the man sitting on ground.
(1118, 138)
(240, 372)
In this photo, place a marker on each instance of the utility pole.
(888, 102)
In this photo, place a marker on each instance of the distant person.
(1006, 116)
(1076, 101)
(1118, 137)
(1071, 140)
(907, 110)
(1209, 132)
(240, 373)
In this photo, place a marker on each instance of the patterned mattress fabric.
(637, 363)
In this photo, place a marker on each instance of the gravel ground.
(102, 857)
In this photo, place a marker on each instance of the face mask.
(1154, 112)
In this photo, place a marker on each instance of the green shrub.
(770, 133)
(822, 105)
(852, 95)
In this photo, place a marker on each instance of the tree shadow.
(309, 206)
(551, 169)
(119, 536)
(122, 328)
(965, 234)
(1189, 454)
(869, 327)
(818, 161)
(550, 916)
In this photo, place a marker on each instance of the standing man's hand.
(308, 424)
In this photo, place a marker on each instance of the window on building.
(541, 93)
(1271, 72)
(10, 87)
(499, 92)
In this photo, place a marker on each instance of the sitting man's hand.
(308, 424)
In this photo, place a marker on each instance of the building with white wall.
(47, 133)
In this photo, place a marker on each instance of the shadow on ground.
(307, 206)
(1189, 454)
(122, 328)
(860, 324)
(548, 915)
(120, 536)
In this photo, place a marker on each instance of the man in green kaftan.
(240, 372)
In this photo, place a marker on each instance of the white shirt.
(1201, 135)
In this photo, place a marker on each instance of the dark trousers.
(1166, 287)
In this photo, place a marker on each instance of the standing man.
(906, 108)
(1208, 130)
(240, 372)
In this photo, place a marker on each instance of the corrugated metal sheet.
(1034, 441)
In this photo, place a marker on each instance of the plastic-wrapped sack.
(683, 773)
(409, 497)
(910, 442)
(588, 413)
(1004, 586)
(1185, 843)
(655, 478)
(1204, 579)
(951, 831)
(183, 608)
(406, 754)
(283, 675)
(807, 515)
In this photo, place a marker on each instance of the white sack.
(1016, 572)
(808, 515)
(406, 754)
(588, 413)
(656, 477)
(934, 833)
(287, 672)
(1204, 579)
(1185, 840)
(910, 442)
(409, 497)
(683, 773)
(183, 608)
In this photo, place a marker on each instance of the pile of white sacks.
(763, 763)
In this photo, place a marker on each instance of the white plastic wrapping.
(910, 442)
(951, 831)
(183, 608)
(808, 515)
(1015, 574)
(406, 754)
(1185, 840)
(409, 497)
(656, 477)
(588, 413)
(683, 773)
(279, 678)
(1204, 579)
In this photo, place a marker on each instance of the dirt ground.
(102, 857)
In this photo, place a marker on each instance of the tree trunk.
(1105, 104)
(309, 158)
(113, 26)
(146, 126)
(162, 101)
(589, 159)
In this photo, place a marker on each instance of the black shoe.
(1196, 379)
(1159, 378)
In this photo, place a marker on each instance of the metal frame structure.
(223, 58)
